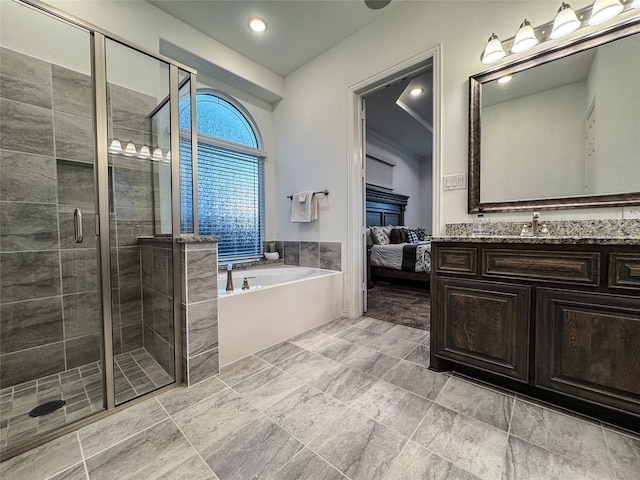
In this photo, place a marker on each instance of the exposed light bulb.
(604, 10)
(257, 25)
(525, 38)
(566, 22)
(493, 51)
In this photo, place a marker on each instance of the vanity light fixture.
(566, 22)
(493, 51)
(416, 91)
(116, 146)
(257, 25)
(525, 38)
(130, 150)
(604, 10)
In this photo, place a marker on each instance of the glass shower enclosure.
(89, 213)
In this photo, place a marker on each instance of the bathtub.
(281, 302)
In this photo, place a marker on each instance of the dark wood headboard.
(385, 207)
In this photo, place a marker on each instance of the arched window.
(230, 176)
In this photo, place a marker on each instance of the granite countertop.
(542, 240)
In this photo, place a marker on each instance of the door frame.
(355, 278)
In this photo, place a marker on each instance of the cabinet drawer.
(573, 267)
(624, 270)
(456, 260)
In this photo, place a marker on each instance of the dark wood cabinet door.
(484, 325)
(588, 345)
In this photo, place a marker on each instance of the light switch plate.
(455, 182)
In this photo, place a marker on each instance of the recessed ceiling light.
(416, 91)
(257, 25)
(505, 79)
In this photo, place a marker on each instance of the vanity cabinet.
(560, 321)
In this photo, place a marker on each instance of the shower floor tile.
(136, 373)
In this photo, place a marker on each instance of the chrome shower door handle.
(77, 225)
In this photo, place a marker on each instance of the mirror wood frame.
(628, 28)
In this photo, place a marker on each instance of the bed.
(398, 260)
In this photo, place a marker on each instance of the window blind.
(230, 200)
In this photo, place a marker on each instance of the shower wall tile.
(74, 137)
(203, 366)
(76, 185)
(131, 337)
(26, 365)
(309, 254)
(79, 270)
(200, 310)
(25, 128)
(28, 226)
(27, 177)
(83, 350)
(72, 91)
(28, 275)
(163, 317)
(66, 224)
(130, 230)
(130, 108)
(131, 305)
(292, 253)
(30, 324)
(82, 314)
(148, 295)
(25, 79)
(202, 275)
(133, 214)
(163, 354)
(129, 268)
(203, 326)
(161, 268)
(331, 255)
(133, 190)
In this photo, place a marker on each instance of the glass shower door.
(140, 221)
(50, 304)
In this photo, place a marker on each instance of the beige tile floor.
(350, 400)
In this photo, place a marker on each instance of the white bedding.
(390, 256)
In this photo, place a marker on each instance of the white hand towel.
(301, 207)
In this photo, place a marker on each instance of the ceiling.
(297, 30)
(404, 120)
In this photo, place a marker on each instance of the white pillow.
(379, 236)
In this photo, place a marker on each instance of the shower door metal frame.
(98, 38)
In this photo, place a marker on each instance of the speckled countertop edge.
(542, 240)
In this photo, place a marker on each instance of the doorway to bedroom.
(398, 197)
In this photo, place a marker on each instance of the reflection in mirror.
(562, 133)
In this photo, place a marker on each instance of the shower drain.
(46, 408)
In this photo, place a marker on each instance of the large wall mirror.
(564, 132)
